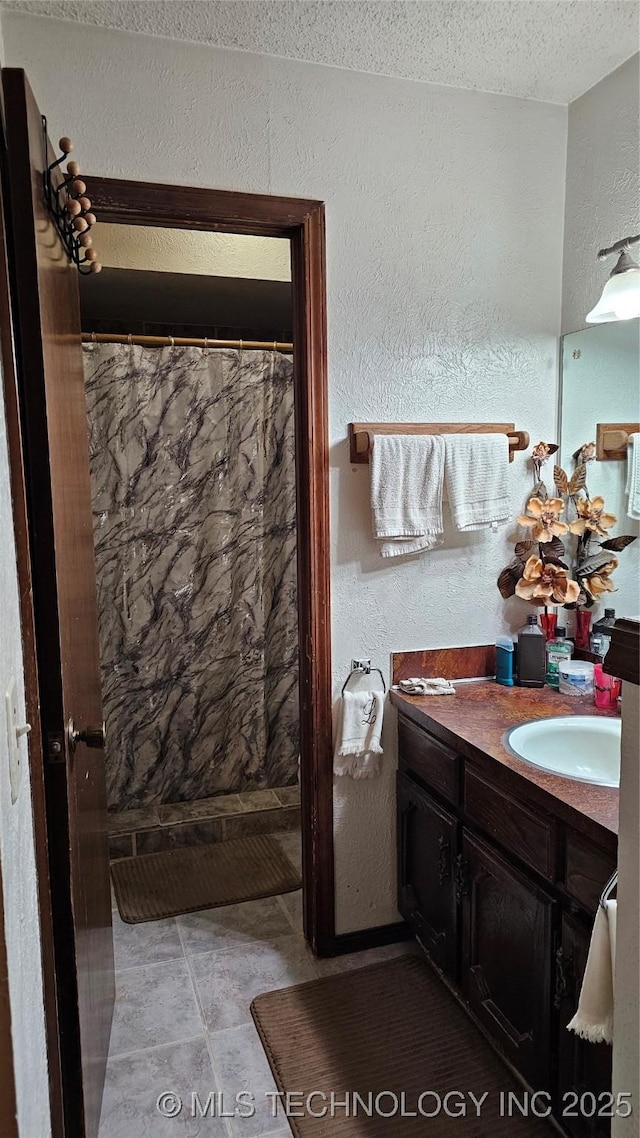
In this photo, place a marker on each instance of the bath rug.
(379, 1032)
(189, 878)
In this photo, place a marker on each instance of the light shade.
(620, 298)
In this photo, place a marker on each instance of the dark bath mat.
(390, 1027)
(189, 878)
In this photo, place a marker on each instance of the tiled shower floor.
(182, 1022)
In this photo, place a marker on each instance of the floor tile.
(288, 795)
(152, 942)
(292, 846)
(126, 821)
(154, 1005)
(240, 1064)
(292, 904)
(174, 812)
(334, 965)
(228, 981)
(259, 800)
(214, 929)
(277, 819)
(134, 1084)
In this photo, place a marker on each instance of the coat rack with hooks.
(361, 434)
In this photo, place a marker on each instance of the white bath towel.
(477, 480)
(407, 475)
(633, 477)
(358, 737)
(594, 1018)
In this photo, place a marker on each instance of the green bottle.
(558, 648)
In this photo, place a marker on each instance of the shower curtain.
(193, 487)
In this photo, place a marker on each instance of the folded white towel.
(594, 1018)
(358, 746)
(423, 685)
(477, 480)
(633, 477)
(407, 474)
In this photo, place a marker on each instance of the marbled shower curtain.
(192, 470)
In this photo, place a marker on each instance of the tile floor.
(182, 1024)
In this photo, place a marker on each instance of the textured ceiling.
(539, 49)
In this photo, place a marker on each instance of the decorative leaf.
(578, 479)
(539, 491)
(560, 479)
(592, 564)
(555, 561)
(553, 448)
(617, 544)
(509, 578)
(523, 549)
(551, 550)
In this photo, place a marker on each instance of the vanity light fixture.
(620, 298)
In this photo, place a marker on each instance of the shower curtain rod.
(184, 342)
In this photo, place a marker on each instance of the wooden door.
(506, 958)
(427, 848)
(583, 1068)
(52, 403)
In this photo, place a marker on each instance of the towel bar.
(608, 889)
(612, 440)
(361, 434)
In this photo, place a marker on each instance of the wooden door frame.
(303, 223)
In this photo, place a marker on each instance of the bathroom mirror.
(601, 384)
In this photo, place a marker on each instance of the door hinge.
(444, 860)
(462, 877)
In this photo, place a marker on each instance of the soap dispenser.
(531, 654)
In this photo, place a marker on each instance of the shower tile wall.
(192, 467)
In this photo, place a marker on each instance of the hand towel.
(477, 480)
(358, 746)
(407, 474)
(423, 685)
(593, 1020)
(633, 477)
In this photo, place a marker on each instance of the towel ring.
(608, 889)
(363, 672)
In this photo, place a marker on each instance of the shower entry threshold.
(154, 828)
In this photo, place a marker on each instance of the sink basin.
(582, 747)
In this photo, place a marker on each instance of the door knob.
(90, 736)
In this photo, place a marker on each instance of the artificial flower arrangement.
(543, 571)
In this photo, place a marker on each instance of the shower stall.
(193, 485)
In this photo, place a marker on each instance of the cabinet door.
(506, 958)
(427, 849)
(583, 1068)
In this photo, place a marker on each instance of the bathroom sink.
(582, 747)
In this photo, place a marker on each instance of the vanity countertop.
(473, 722)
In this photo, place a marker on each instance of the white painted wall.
(626, 1039)
(189, 251)
(22, 926)
(444, 243)
(603, 185)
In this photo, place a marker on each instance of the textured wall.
(626, 1044)
(444, 243)
(602, 201)
(22, 927)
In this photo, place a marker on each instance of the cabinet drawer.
(431, 760)
(586, 871)
(531, 837)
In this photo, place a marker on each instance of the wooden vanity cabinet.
(507, 937)
(583, 1068)
(428, 843)
(502, 897)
